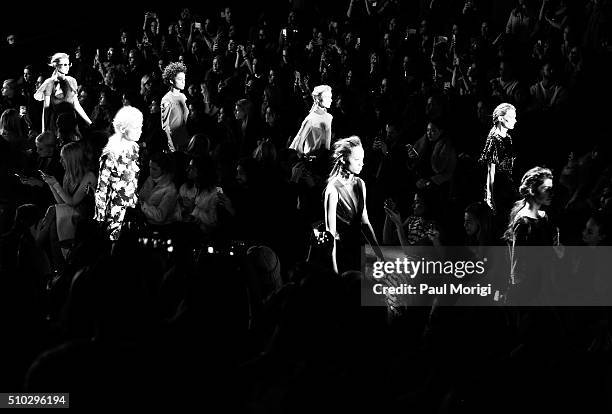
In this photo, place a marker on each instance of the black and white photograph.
(305, 206)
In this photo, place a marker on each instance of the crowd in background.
(212, 277)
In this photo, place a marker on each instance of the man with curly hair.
(174, 111)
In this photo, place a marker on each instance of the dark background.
(45, 28)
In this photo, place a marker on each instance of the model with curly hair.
(174, 111)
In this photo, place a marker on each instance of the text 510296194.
(34, 400)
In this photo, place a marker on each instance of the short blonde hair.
(57, 57)
(126, 118)
(319, 90)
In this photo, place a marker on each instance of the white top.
(314, 133)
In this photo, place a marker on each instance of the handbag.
(321, 242)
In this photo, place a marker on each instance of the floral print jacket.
(117, 187)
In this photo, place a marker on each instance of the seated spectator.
(74, 198)
(153, 136)
(554, 17)
(574, 70)
(597, 230)
(66, 128)
(248, 126)
(11, 99)
(46, 158)
(274, 128)
(199, 146)
(418, 229)
(393, 178)
(197, 120)
(158, 195)
(26, 84)
(210, 201)
(267, 272)
(102, 114)
(19, 254)
(477, 225)
(190, 188)
(585, 279)
(506, 87)
(11, 128)
(86, 98)
(548, 95)
(521, 23)
(435, 162)
(210, 104)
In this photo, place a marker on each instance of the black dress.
(349, 211)
(530, 259)
(498, 150)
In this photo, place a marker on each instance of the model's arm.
(331, 202)
(45, 111)
(102, 189)
(328, 134)
(490, 185)
(79, 109)
(168, 114)
(366, 221)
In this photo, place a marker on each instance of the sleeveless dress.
(348, 226)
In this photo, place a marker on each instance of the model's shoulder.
(72, 81)
(332, 186)
(494, 136)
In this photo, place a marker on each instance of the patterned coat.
(117, 187)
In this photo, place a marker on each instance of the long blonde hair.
(75, 165)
